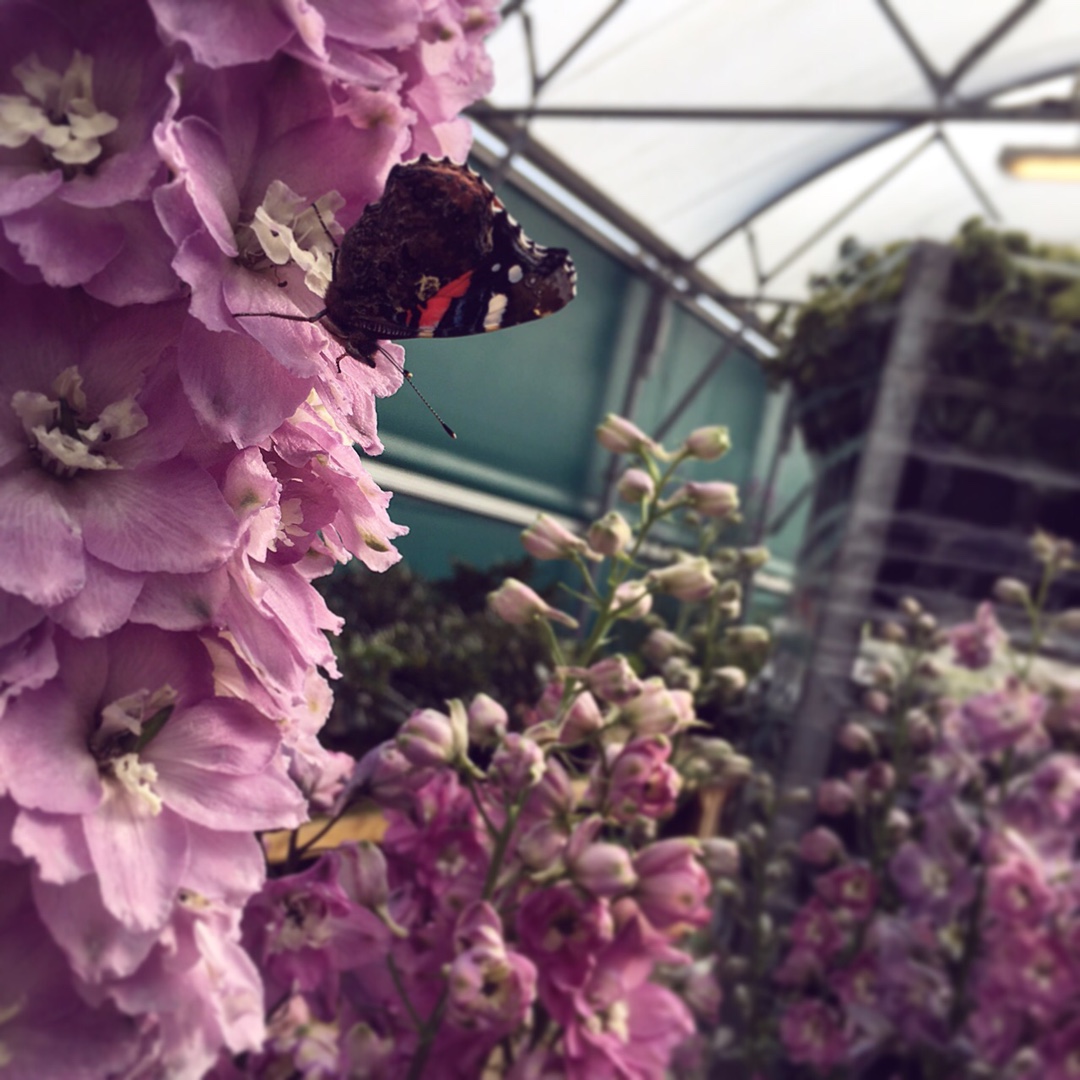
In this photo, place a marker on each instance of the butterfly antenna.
(329, 234)
(416, 390)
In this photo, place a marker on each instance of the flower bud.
(708, 443)
(921, 731)
(730, 681)
(431, 738)
(1011, 591)
(753, 558)
(517, 764)
(880, 778)
(1050, 550)
(910, 607)
(892, 631)
(632, 600)
(820, 847)
(487, 721)
(658, 710)
(857, 739)
(604, 870)
(688, 580)
(542, 845)
(635, 485)
(613, 680)
(720, 857)
(1068, 622)
(582, 719)
(620, 436)
(640, 782)
(715, 498)
(545, 538)
(661, 645)
(610, 534)
(835, 797)
(680, 674)
(514, 602)
(898, 824)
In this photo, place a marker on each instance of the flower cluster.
(524, 913)
(173, 480)
(941, 926)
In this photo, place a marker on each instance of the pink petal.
(96, 944)
(57, 844)
(225, 866)
(170, 517)
(67, 243)
(103, 605)
(219, 371)
(41, 549)
(43, 744)
(233, 803)
(140, 859)
(181, 601)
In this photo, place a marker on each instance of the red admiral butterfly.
(439, 256)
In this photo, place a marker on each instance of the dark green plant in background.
(412, 644)
(1006, 364)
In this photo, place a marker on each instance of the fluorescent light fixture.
(1061, 164)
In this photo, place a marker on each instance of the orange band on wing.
(436, 307)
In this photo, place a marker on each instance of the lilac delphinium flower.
(976, 643)
(97, 489)
(812, 1033)
(81, 91)
(130, 769)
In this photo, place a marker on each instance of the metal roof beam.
(1051, 111)
(933, 77)
(986, 43)
(571, 52)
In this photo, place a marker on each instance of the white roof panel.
(694, 182)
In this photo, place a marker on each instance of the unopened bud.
(891, 630)
(1012, 591)
(921, 732)
(911, 607)
(876, 701)
(687, 580)
(753, 558)
(620, 436)
(545, 538)
(720, 857)
(1068, 622)
(635, 485)
(714, 498)
(730, 681)
(487, 721)
(610, 534)
(708, 443)
(857, 739)
(632, 600)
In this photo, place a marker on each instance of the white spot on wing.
(514, 274)
(496, 307)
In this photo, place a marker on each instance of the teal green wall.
(525, 402)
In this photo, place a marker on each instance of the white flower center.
(65, 441)
(56, 110)
(137, 778)
(289, 228)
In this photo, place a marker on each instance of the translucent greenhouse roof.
(736, 144)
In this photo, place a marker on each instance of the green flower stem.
(1036, 615)
(470, 785)
(502, 842)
